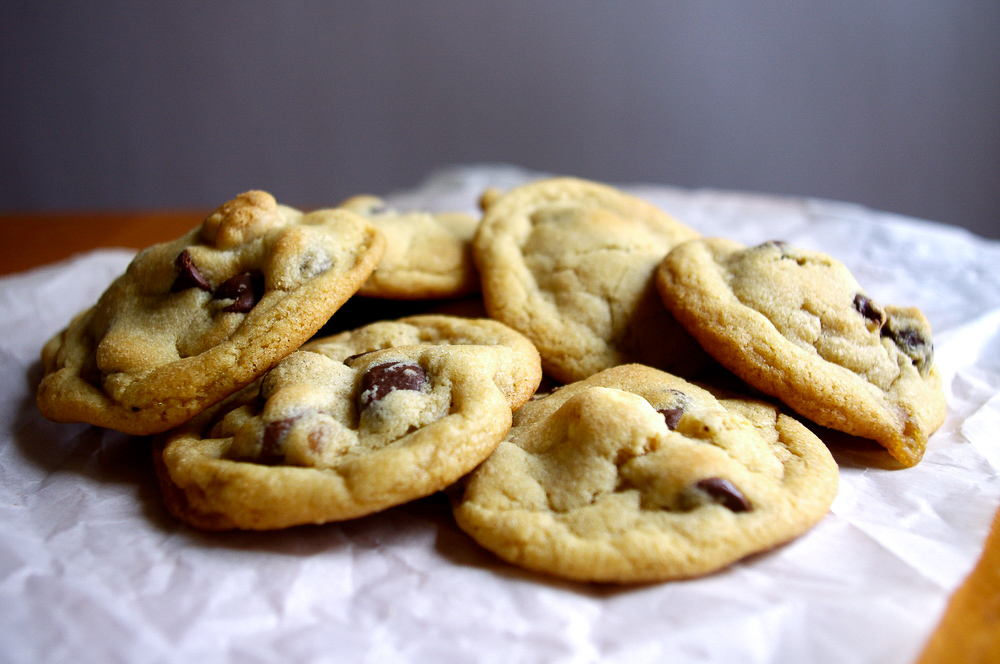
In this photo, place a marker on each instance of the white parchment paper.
(93, 570)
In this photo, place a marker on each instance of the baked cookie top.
(193, 320)
(332, 435)
(428, 254)
(796, 324)
(635, 475)
(570, 263)
(519, 369)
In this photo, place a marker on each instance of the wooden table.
(29, 240)
(968, 633)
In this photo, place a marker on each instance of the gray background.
(892, 104)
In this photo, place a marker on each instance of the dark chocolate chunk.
(272, 449)
(910, 341)
(672, 416)
(871, 311)
(382, 379)
(188, 276)
(725, 493)
(906, 338)
(244, 289)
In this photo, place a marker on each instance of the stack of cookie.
(578, 408)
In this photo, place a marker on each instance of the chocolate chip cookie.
(193, 320)
(796, 324)
(428, 255)
(569, 263)
(635, 475)
(351, 425)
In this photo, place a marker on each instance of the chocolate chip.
(382, 379)
(351, 358)
(314, 263)
(272, 449)
(906, 337)
(910, 341)
(189, 276)
(672, 416)
(725, 493)
(871, 311)
(245, 289)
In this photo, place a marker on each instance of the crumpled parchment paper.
(93, 570)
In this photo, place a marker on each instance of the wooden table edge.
(29, 240)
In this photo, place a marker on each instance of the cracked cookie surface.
(796, 324)
(569, 263)
(193, 320)
(635, 475)
(351, 425)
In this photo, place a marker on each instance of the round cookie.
(569, 263)
(332, 435)
(635, 475)
(193, 320)
(796, 324)
(428, 255)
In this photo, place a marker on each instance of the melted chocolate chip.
(725, 493)
(871, 311)
(351, 358)
(272, 449)
(906, 338)
(189, 276)
(910, 341)
(314, 263)
(672, 416)
(244, 289)
(382, 379)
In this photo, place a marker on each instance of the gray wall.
(892, 104)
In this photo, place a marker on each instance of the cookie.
(194, 320)
(796, 325)
(635, 475)
(351, 426)
(569, 264)
(428, 255)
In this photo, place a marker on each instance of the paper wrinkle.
(975, 345)
(93, 570)
(981, 427)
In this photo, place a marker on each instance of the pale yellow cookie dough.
(351, 425)
(428, 255)
(519, 372)
(796, 324)
(569, 263)
(194, 320)
(635, 475)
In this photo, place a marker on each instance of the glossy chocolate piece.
(244, 289)
(188, 276)
(382, 379)
(725, 493)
